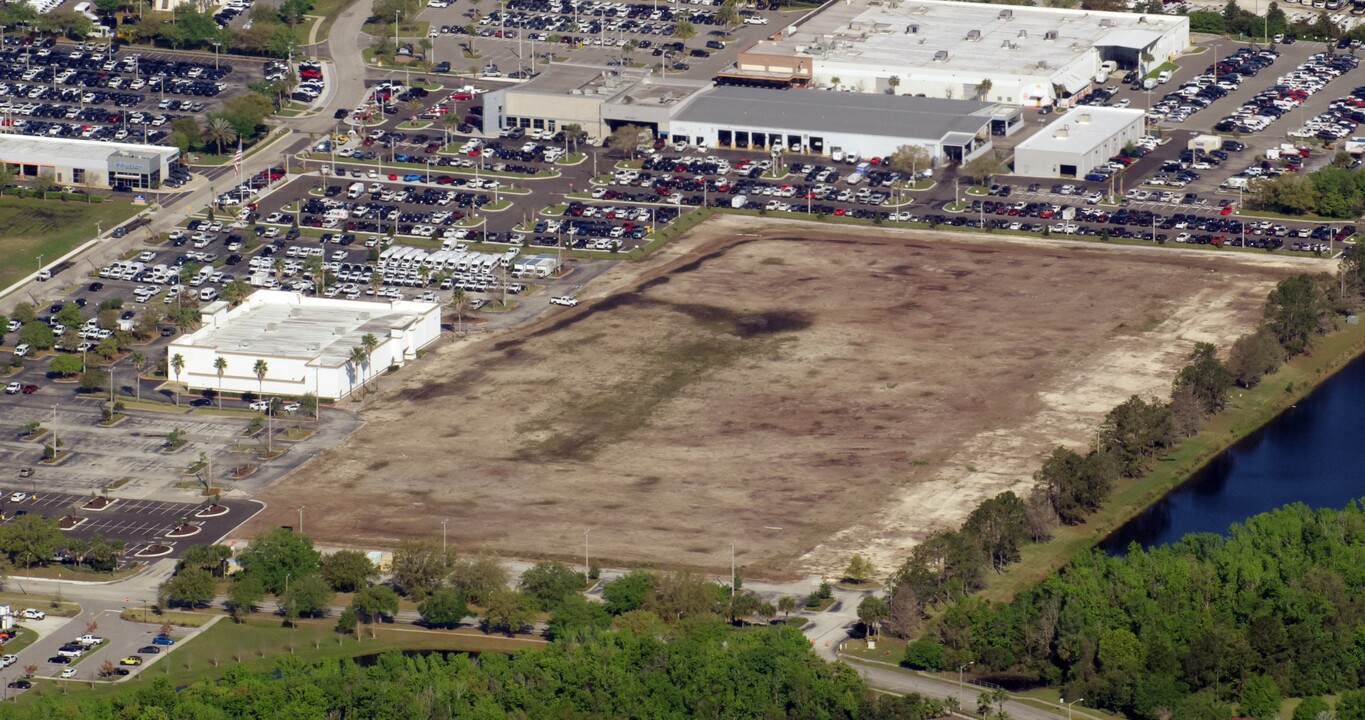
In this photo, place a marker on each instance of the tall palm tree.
(220, 364)
(138, 359)
(369, 342)
(356, 359)
(260, 368)
(219, 132)
(178, 365)
(459, 302)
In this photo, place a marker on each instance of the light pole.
(960, 685)
(301, 519)
(1069, 704)
(215, 55)
(54, 432)
(732, 568)
(587, 567)
(443, 535)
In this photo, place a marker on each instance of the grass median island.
(1248, 410)
(50, 228)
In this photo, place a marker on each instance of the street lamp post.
(301, 519)
(960, 685)
(587, 566)
(443, 535)
(1069, 704)
(215, 55)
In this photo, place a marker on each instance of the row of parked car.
(1289, 92)
(1338, 121)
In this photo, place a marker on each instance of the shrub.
(924, 654)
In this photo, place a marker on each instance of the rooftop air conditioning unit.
(911, 29)
(1062, 133)
(973, 35)
(1084, 118)
(1005, 15)
(1106, 22)
(941, 56)
(1023, 34)
(1050, 35)
(338, 330)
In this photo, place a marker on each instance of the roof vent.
(1050, 35)
(1084, 118)
(1023, 34)
(272, 327)
(1142, 19)
(1042, 64)
(973, 35)
(1005, 15)
(911, 29)
(1062, 133)
(941, 56)
(338, 330)
(1106, 22)
(920, 10)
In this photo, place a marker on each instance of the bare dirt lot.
(802, 390)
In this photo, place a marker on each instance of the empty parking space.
(136, 522)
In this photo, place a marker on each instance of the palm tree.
(178, 365)
(449, 122)
(369, 342)
(220, 364)
(138, 359)
(684, 30)
(356, 359)
(219, 132)
(278, 267)
(236, 291)
(893, 82)
(260, 368)
(459, 302)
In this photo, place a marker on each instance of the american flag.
(237, 159)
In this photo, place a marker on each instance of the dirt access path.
(804, 391)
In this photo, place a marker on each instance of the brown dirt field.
(804, 391)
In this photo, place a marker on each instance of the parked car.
(131, 660)
(33, 614)
(163, 640)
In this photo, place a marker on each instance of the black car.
(442, 67)
(96, 286)
(59, 660)
(201, 402)
(21, 684)
(120, 231)
(341, 113)
(149, 650)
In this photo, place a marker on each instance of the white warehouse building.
(93, 163)
(306, 343)
(1078, 142)
(1019, 55)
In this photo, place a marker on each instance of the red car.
(1227, 210)
(30, 389)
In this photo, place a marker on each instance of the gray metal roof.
(826, 111)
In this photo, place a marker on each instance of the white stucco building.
(1012, 54)
(1078, 142)
(306, 343)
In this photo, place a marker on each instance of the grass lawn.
(257, 643)
(50, 228)
(1162, 68)
(175, 617)
(23, 637)
(42, 602)
(67, 572)
(1248, 410)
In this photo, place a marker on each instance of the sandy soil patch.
(805, 392)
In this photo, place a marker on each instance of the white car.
(756, 20)
(260, 405)
(88, 640)
(33, 614)
(18, 496)
(13, 388)
(21, 350)
(69, 672)
(565, 300)
(7, 660)
(290, 407)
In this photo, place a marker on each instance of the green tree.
(1135, 431)
(212, 559)
(925, 654)
(983, 167)
(625, 139)
(1206, 377)
(627, 592)
(477, 578)
(245, 593)
(444, 608)
(1312, 708)
(219, 133)
(683, 29)
(66, 365)
(577, 614)
(507, 611)
(548, 584)
(1350, 707)
(375, 603)
(420, 567)
(1253, 356)
(1261, 698)
(1205, 21)
(1296, 311)
(348, 570)
(220, 365)
(70, 314)
(786, 604)
(37, 334)
(276, 554)
(859, 569)
(30, 540)
(871, 612)
(999, 526)
(308, 596)
(681, 594)
(191, 587)
(910, 160)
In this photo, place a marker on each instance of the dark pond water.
(1311, 453)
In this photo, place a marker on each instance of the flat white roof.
(323, 331)
(1080, 130)
(965, 36)
(49, 151)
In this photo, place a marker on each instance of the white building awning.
(1130, 38)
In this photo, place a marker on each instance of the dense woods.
(1193, 630)
(703, 669)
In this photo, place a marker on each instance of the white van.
(208, 294)
(1164, 77)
